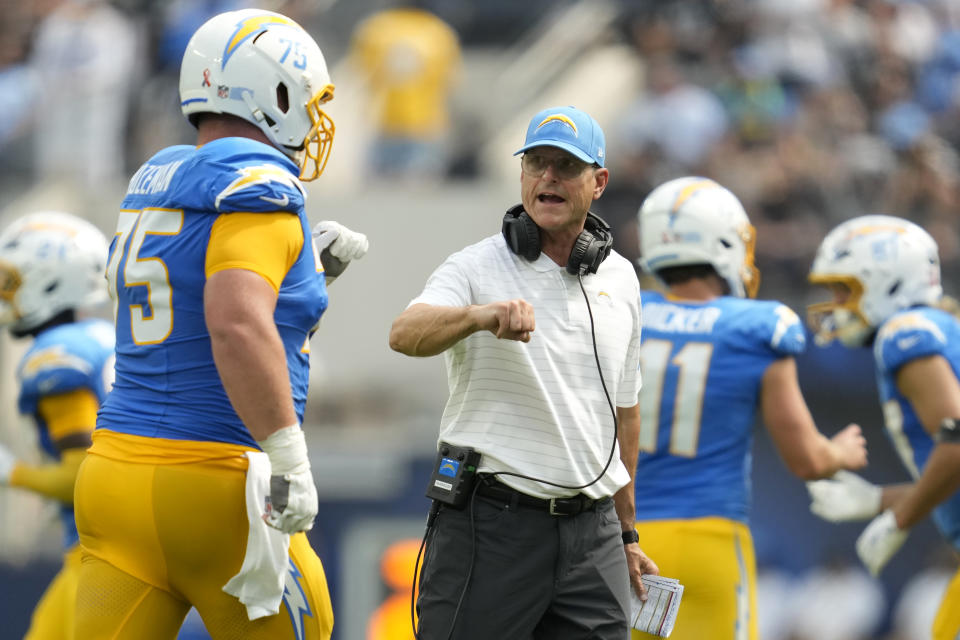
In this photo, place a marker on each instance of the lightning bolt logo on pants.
(296, 600)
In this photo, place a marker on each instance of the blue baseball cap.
(569, 129)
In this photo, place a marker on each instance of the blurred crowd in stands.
(811, 111)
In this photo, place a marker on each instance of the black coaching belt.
(570, 506)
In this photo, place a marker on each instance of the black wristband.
(631, 536)
(949, 431)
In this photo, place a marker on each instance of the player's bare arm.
(806, 452)
(247, 350)
(933, 390)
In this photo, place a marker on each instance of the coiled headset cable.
(435, 507)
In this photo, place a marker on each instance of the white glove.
(7, 463)
(344, 244)
(292, 503)
(879, 541)
(844, 497)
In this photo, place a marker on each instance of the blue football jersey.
(908, 335)
(167, 385)
(702, 365)
(65, 358)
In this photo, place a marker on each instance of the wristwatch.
(949, 431)
(631, 536)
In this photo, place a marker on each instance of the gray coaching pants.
(535, 575)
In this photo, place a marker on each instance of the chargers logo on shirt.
(260, 174)
(787, 319)
(249, 27)
(54, 357)
(910, 321)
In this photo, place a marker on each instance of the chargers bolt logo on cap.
(567, 128)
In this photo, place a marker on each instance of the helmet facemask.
(10, 282)
(843, 321)
(319, 141)
(749, 273)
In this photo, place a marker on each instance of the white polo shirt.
(539, 408)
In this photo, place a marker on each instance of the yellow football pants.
(713, 559)
(53, 616)
(158, 538)
(946, 625)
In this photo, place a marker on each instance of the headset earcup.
(580, 257)
(521, 233)
(591, 247)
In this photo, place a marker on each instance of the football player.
(218, 287)
(883, 275)
(710, 356)
(51, 271)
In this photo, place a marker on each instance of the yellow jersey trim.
(163, 451)
(266, 243)
(69, 413)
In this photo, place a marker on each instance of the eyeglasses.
(564, 167)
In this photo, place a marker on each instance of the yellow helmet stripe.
(687, 192)
(877, 228)
(249, 27)
(39, 225)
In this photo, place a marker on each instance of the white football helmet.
(49, 262)
(263, 67)
(886, 264)
(693, 220)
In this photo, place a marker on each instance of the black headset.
(523, 237)
(590, 249)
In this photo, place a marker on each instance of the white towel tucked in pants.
(259, 585)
